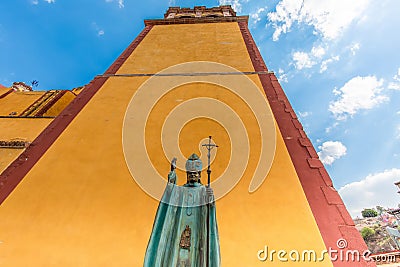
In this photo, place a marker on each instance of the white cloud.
(100, 32)
(331, 151)
(283, 77)
(329, 17)
(236, 5)
(360, 93)
(120, 2)
(354, 48)
(330, 128)
(318, 51)
(36, 2)
(302, 60)
(325, 63)
(395, 85)
(304, 114)
(374, 190)
(398, 132)
(171, 3)
(256, 16)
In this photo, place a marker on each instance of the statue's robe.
(179, 232)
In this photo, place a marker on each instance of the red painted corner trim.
(328, 209)
(314, 163)
(6, 93)
(15, 173)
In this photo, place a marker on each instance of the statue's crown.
(194, 164)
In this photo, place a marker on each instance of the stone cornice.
(153, 22)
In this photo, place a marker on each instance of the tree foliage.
(367, 233)
(380, 210)
(367, 213)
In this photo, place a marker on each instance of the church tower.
(85, 190)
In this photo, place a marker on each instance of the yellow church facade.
(83, 187)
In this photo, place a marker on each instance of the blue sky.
(338, 61)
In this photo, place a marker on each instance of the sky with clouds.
(337, 60)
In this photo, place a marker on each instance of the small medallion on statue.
(185, 238)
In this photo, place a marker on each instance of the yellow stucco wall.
(18, 102)
(24, 129)
(60, 104)
(79, 205)
(78, 90)
(7, 156)
(169, 45)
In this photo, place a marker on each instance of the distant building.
(398, 186)
(394, 235)
(396, 212)
(24, 114)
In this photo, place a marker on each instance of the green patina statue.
(185, 220)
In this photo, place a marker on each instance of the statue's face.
(193, 177)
